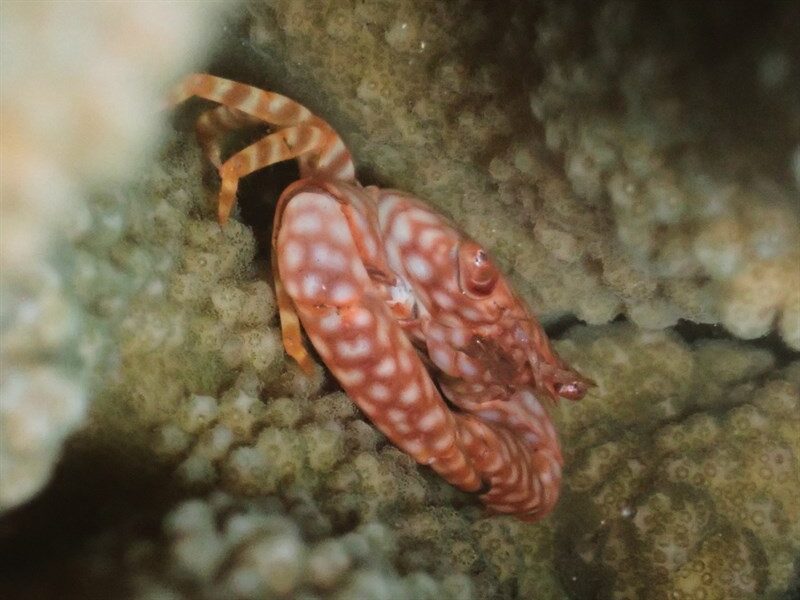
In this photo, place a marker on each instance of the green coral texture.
(621, 167)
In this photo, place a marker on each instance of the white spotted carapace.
(390, 293)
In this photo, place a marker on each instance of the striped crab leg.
(299, 134)
(214, 124)
(515, 427)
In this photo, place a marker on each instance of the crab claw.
(561, 381)
(550, 373)
(576, 388)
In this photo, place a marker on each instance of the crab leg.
(528, 482)
(268, 107)
(284, 144)
(213, 124)
(328, 157)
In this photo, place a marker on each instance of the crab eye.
(477, 272)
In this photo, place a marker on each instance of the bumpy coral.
(630, 179)
(695, 178)
(690, 482)
(75, 117)
(226, 548)
(666, 496)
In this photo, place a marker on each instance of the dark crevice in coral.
(692, 332)
(558, 328)
(95, 496)
(258, 198)
(793, 593)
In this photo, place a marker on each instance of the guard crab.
(389, 292)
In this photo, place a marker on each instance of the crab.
(391, 295)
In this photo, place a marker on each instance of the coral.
(76, 116)
(617, 182)
(698, 495)
(222, 547)
(690, 195)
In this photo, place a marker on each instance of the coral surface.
(686, 466)
(210, 467)
(631, 166)
(77, 81)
